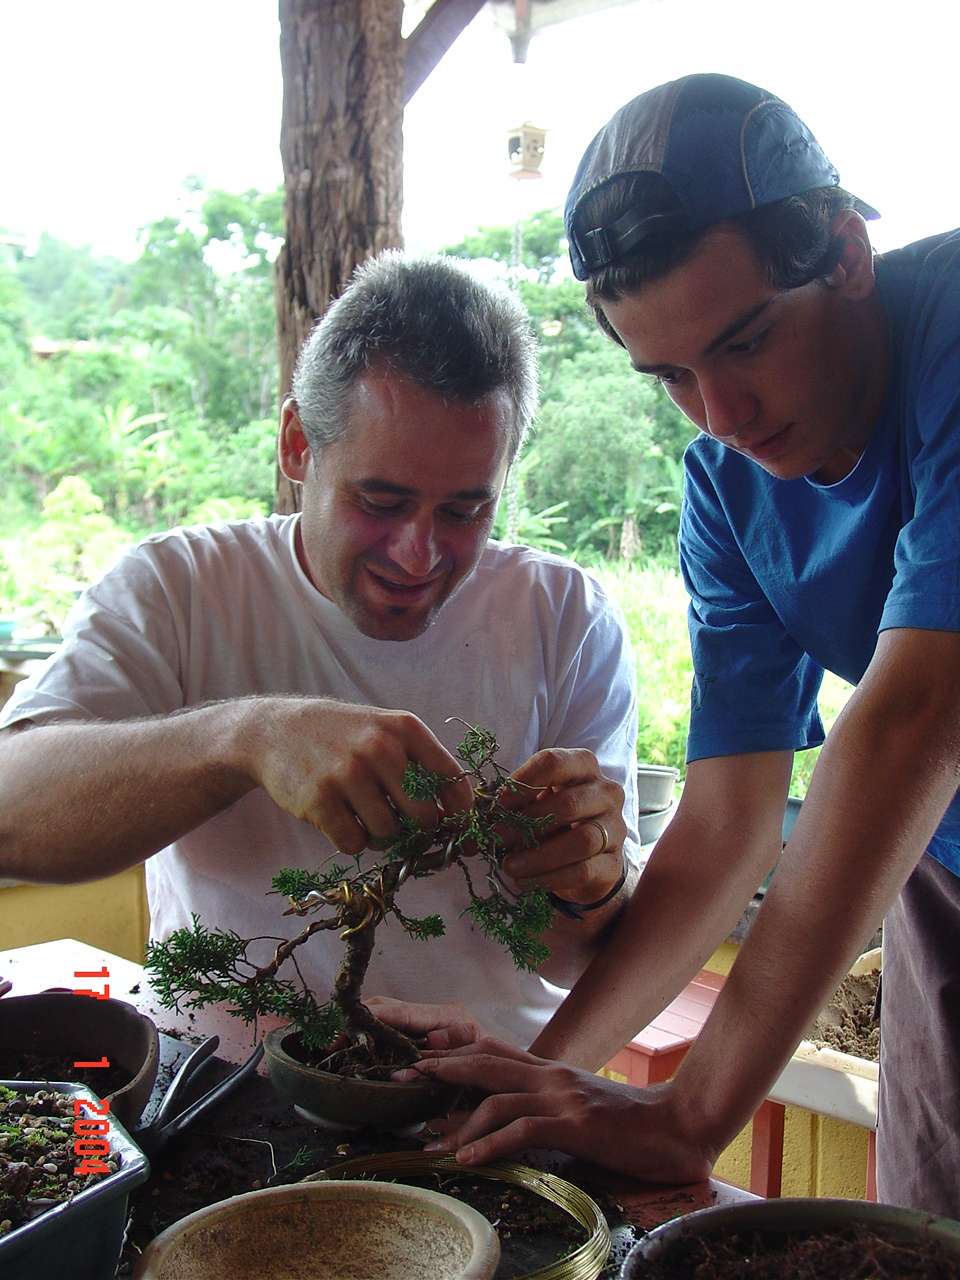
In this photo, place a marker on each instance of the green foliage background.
(137, 396)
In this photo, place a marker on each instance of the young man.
(234, 699)
(819, 530)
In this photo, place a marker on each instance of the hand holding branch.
(580, 853)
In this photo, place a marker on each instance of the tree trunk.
(341, 142)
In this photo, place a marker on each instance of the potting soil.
(847, 1023)
(844, 1253)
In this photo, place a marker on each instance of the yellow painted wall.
(109, 913)
(821, 1156)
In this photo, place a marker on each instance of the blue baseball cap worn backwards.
(724, 147)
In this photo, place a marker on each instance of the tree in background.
(601, 475)
(341, 142)
(154, 381)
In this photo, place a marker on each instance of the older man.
(234, 699)
(819, 530)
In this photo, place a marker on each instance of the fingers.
(445, 1026)
(486, 1064)
(552, 767)
(580, 855)
(341, 767)
(500, 1127)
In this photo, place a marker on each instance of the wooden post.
(341, 143)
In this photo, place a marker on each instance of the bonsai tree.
(197, 966)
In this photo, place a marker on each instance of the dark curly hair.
(792, 238)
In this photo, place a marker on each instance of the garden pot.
(346, 1102)
(789, 1215)
(655, 786)
(327, 1230)
(651, 824)
(83, 1028)
(81, 1238)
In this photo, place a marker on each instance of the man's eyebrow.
(372, 484)
(732, 329)
(740, 322)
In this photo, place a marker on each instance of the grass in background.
(654, 604)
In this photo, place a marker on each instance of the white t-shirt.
(529, 647)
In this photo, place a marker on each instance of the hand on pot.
(441, 1026)
(533, 1102)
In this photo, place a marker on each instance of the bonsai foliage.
(198, 966)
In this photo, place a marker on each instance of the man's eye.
(380, 508)
(666, 378)
(748, 345)
(462, 515)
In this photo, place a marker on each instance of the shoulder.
(925, 258)
(721, 488)
(168, 570)
(202, 550)
(260, 536)
(507, 569)
(920, 284)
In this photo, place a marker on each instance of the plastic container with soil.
(81, 1238)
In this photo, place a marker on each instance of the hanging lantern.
(525, 150)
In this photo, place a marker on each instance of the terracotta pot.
(86, 1029)
(329, 1230)
(345, 1102)
(797, 1214)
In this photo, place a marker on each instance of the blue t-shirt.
(788, 578)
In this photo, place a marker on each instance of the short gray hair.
(429, 320)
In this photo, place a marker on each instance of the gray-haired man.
(238, 698)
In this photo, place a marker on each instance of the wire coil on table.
(584, 1263)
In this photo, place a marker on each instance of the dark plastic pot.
(345, 1102)
(85, 1028)
(797, 1214)
(80, 1239)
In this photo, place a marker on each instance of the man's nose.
(727, 407)
(414, 547)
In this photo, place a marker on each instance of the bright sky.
(108, 105)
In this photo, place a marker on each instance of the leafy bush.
(654, 603)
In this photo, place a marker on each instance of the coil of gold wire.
(583, 1263)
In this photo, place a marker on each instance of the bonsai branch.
(200, 966)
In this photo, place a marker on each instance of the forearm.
(79, 801)
(671, 926)
(575, 943)
(879, 791)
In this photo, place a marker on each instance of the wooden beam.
(433, 36)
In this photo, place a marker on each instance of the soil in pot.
(19, 1065)
(847, 1023)
(348, 1101)
(853, 1252)
(37, 1159)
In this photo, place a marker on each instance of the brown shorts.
(918, 1138)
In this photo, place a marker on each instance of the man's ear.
(293, 450)
(854, 272)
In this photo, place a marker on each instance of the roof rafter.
(432, 37)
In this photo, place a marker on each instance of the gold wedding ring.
(603, 832)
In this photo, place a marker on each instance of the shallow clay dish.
(327, 1231)
(343, 1102)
